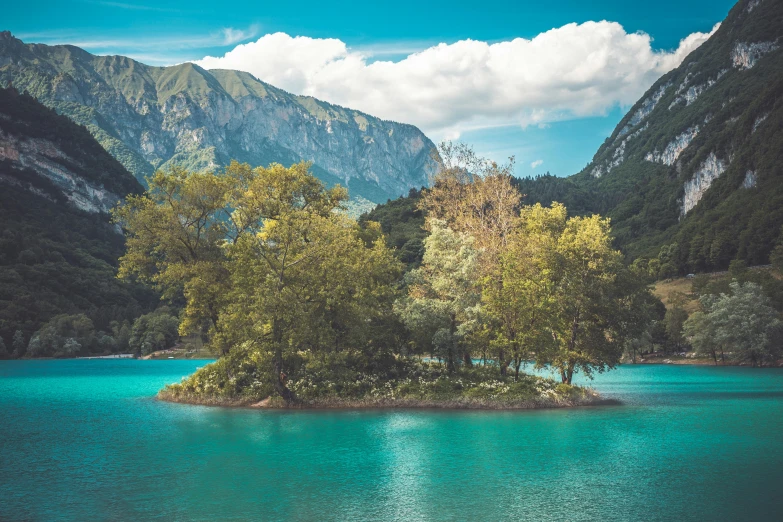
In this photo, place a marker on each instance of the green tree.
(63, 335)
(264, 259)
(443, 299)
(154, 331)
(591, 292)
(745, 322)
(674, 319)
(519, 300)
(700, 332)
(18, 344)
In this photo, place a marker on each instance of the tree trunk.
(280, 381)
(468, 360)
(567, 373)
(450, 366)
(517, 364)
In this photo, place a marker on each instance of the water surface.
(84, 440)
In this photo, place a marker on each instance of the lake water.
(84, 440)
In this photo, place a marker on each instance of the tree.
(3, 350)
(266, 262)
(154, 331)
(591, 291)
(474, 196)
(700, 333)
(519, 298)
(175, 234)
(742, 322)
(18, 344)
(674, 319)
(443, 297)
(63, 335)
(745, 322)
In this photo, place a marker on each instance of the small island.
(420, 385)
(307, 307)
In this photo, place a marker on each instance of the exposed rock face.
(49, 162)
(674, 148)
(759, 121)
(647, 107)
(752, 5)
(618, 156)
(149, 117)
(695, 188)
(692, 92)
(750, 180)
(745, 55)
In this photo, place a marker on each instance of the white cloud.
(573, 71)
(536, 164)
(232, 36)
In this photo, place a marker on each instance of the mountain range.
(151, 117)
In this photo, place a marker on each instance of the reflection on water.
(82, 440)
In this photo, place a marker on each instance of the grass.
(663, 289)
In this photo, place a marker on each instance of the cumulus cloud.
(574, 71)
(536, 164)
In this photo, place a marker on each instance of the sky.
(543, 81)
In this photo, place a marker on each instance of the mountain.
(149, 117)
(693, 174)
(58, 249)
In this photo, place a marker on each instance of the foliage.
(264, 262)
(442, 304)
(154, 331)
(402, 222)
(595, 301)
(742, 325)
(63, 336)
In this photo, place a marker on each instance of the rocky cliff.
(46, 154)
(150, 117)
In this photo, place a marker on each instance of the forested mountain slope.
(150, 117)
(693, 174)
(58, 250)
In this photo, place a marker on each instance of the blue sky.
(542, 125)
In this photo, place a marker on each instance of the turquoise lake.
(85, 440)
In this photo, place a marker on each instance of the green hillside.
(692, 174)
(54, 258)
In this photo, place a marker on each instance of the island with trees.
(307, 307)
